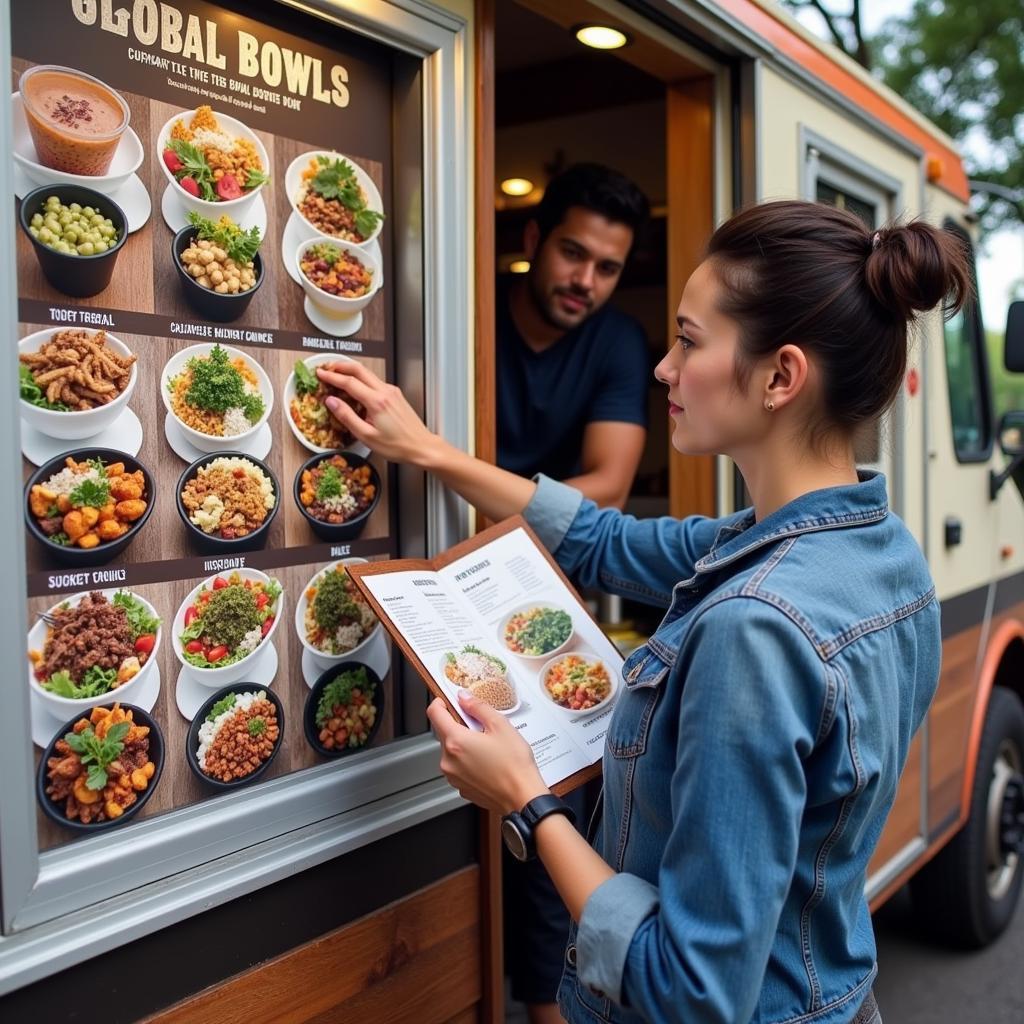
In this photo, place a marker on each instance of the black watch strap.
(541, 806)
(517, 827)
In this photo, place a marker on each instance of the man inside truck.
(572, 380)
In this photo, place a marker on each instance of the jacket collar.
(831, 508)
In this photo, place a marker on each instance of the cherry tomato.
(190, 185)
(228, 187)
(219, 583)
(262, 600)
(145, 643)
(216, 653)
(194, 646)
(267, 623)
(172, 161)
(191, 614)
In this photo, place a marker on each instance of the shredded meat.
(94, 632)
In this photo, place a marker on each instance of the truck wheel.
(967, 894)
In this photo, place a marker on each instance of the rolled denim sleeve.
(638, 558)
(695, 947)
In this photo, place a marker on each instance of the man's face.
(574, 271)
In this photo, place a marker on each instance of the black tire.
(966, 896)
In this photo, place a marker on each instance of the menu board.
(202, 220)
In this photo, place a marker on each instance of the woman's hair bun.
(913, 267)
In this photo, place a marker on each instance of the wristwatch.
(517, 828)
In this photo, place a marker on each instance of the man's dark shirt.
(594, 373)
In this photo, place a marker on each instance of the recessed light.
(601, 37)
(517, 186)
(519, 266)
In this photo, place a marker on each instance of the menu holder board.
(496, 616)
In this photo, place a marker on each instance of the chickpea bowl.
(87, 505)
(216, 286)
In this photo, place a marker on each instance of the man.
(572, 381)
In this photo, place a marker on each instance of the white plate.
(337, 326)
(376, 656)
(124, 434)
(175, 212)
(45, 725)
(297, 230)
(258, 446)
(190, 694)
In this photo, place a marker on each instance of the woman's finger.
(353, 368)
(441, 719)
(359, 390)
(350, 419)
(490, 719)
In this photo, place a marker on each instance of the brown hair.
(812, 275)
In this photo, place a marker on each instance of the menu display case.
(211, 200)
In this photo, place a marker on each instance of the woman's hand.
(391, 425)
(495, 768)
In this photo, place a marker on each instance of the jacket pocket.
(644, 673)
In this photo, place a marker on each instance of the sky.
(1001, 257)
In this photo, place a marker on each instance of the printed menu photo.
(496, 617)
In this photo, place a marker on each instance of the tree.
(844, 28)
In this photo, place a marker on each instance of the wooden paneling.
(690, 176)
(416, 961)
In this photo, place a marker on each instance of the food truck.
(221, 800)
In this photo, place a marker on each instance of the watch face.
(514, 838)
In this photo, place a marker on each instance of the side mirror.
(1011, 431)
(1013, 347)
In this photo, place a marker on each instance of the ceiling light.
(517, 186)
(519, 266)
(601, 37)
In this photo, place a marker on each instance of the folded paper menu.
(495, 615)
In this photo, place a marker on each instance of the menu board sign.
(202, 220)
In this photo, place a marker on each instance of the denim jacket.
(753, 754)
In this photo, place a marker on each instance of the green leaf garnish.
(257, 726)
(140, 622)
(95, 493)
(32, 393)
(224, 704)
(97, 754)
(331, 484)
(306, 382)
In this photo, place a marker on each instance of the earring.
(769, 406)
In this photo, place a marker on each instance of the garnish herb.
(339, 692)
(224, 704)
(306, 382)
(256, 178)
(331, 484)
(140, 622)
(32, 393)
(194, 165)
(95, 493)
(98, 754)
(218, 386)
(240, 246)
(336, 179)
(257, 726)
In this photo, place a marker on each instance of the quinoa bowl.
(337, 493)
(235, 735)
(484, 675)
(577, 683)
(333, 621)
(99, 646)
(227, 501)
(344, 710)
(218, 395)
(225, 623)
(326, 212)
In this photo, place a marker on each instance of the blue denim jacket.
(753, 754)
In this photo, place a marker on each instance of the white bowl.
(73, 426)
(65, 707)
(322, 657)
(525, 608)
(508, 679)
(293, 185)
(229, 673)
(337, 306)
(236, 209)
(322, 359)
(583, 656)
(127, 158)
(208, 442)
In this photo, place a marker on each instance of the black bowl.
(309, 726)
(209, 543)
(55, 811)
(351, 527)
(71, 555)
(192, 741)
(80, 276)
(205, 301)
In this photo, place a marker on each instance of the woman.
(758, 740)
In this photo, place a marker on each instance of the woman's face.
(710, 412)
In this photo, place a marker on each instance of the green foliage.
(217, 385)
(98, 754)
(32, 393)
(240, 246)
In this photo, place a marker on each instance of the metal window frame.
(280, 827)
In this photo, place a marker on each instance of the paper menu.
(496, 615)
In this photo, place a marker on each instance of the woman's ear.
(788, 376)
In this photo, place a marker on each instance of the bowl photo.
(237, 209)
(83, 623)
(577, 683)
(178, 364)
(231, 715)
(336, 307)
(536, 630)
(339, 716)
(127, 158)
(336, 493)
(316, 638)
(209, 303)
(309, 418)
(55, 807)
(75, 121)
(61, 510)
(484, 675)
(219, 513)
(74, 424)
(210, 673)
(74, 268)
(296, 190)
